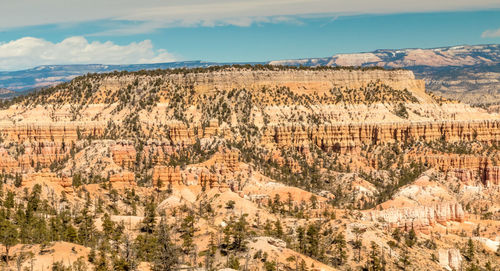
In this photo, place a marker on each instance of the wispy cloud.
(491, 33)
(28, 52)
(153, 14)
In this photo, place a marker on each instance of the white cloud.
(28, 52)
(166, 13)
(491, 33)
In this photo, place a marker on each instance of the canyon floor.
(248, 168)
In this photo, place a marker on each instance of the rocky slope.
(256, 166)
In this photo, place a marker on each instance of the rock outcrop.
(164, 176)
(124, 154)
(450, 259)
(349, 137)
(419, 217)
(304, 81)
(51, 131)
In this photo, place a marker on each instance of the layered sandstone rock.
(50, 131)
(45, 176)
(419, 205)
(43, 153)
(227, 159)
(7, 162)
(450, 259)
(348, 137)
(179, 133)
(419, 217)
(303, 81)
(467, 168)
(164, 176)
(210, 180)
(125, 177)
(124, 154)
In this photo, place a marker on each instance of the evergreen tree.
(165, 256)
(210, 252)
(187, 233)
(149, 221)
(340, 250)
(101, 263)
(278, 229)
(233, 263)
(86, 227)
(8, 236)
(404, 259)
(469, 250)
(374, 262)
(358, 244)
(238, 232)
(313, 239)
(411, 238)
(301, 239)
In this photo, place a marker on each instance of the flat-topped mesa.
(308, 81)
(301, 81)
(351, 136)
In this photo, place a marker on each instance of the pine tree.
(301, 239)
(165, 256)
(278, 232)
(374, 262)
(233, 263)
(404, 259)
(210, 252)
(101, 263)
(8, 236)
(149, 221)
(187, 233)
(107, 226)
(469, 250)
(340, 250)
(239, 233)
(358, 244)
(411, 238)
(396, 234)
(86, 227)
(313, 240)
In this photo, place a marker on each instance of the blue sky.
(263, 33)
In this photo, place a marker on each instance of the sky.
(48, 32)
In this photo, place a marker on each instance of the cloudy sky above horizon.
(34, 33)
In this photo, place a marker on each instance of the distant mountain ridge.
(464, 55)
(48, 75)
(470, 73)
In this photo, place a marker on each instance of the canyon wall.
(418, 217)
(348, 137)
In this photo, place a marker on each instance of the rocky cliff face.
(450, 259)
(419, 217)
(304, 82)
(349, 137)
(50, 131)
